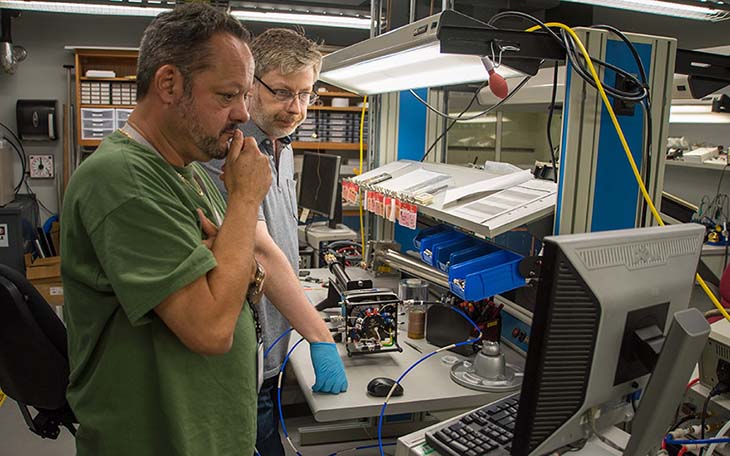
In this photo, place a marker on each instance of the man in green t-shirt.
(156, 268)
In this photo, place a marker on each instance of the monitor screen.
(319, 182)
(596, 291)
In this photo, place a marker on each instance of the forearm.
(283, 289)
(204, 313)
(233, 250)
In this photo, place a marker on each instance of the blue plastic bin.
(481, 249)
(486, 276)
(443, 251)
(428, 244)
(426, 232)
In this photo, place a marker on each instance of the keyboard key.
(441, 435)
(498, 416)
(472, 453)
(456, 426)
(489, 446)
(458, 446)
(503, 439)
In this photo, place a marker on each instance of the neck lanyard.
(197, 183)
(132, 133)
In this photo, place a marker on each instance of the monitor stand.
(315, 234)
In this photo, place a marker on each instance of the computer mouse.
(380, 386)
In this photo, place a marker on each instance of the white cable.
(719, 434)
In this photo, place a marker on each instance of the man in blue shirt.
(287, 66)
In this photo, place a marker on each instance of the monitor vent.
(722, 351)
(638, 255)
(567, 353)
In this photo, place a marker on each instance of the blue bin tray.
(443, 251)
(486, 275)
(428, 244)
(426, 232)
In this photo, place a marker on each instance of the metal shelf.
(489, 227)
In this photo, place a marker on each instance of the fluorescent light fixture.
(82, 8)
(409, 57)
(697, 114)
(415, 68)
(326, 20)
(660, 7)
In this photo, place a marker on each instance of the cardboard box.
(45, 275)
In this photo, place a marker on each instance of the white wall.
(42, 76)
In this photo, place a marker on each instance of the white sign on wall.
(4, 235)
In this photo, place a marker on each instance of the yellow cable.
(2, 398)
(627, 150)
(362, 145)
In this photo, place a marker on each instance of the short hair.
(285, 50)
(181, 37)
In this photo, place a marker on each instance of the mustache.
(229, 129)
(290, 119)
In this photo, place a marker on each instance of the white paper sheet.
(387, 168)
(496, 204)
(486, 186)
(410, 181)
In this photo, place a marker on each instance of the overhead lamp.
(83, 8)
(325, 20)
(440, 50)
(661, 7)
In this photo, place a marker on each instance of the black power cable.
(21, 155)
(646, 105)
(453, 122)
(550, 122)
(491, 108)
(720, 388)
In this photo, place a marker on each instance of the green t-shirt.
(131, 237)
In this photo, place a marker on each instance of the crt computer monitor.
(319, 186)
(595, 290)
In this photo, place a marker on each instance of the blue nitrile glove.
(328, 369)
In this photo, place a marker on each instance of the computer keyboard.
(485, 431)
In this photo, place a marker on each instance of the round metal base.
(464, 374)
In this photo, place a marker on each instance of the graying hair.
(285, 50)
(181, 37)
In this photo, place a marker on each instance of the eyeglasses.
(286, 96)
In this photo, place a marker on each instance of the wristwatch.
(256, 287)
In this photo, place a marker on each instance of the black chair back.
(34, 365)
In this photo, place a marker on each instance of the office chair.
(33, 356)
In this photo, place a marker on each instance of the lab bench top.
(428, 387)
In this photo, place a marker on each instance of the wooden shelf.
(338, 94)
(89, 142)
(331, 108)
(326, 145)
(83, 78)
(103, 106)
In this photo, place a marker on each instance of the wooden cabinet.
(106, 89)
(104, 103)
(333, 123)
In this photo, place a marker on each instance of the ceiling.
(691, 34)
